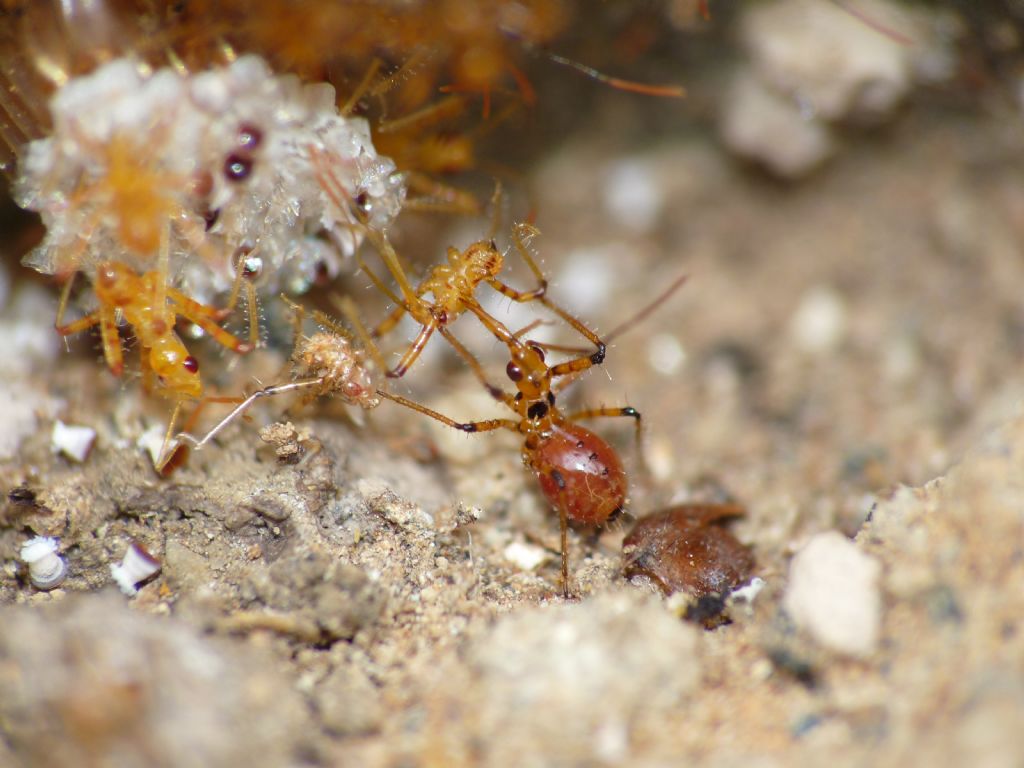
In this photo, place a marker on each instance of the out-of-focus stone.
(767, 128)
(89, 681)
(565, 684)
(820, 321)
(814, 62)
(833, 593)
(833, 62)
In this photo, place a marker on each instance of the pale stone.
(833, 593)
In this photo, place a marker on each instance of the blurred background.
(841, 182)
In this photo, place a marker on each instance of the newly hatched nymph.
(329, 362)
(151, 308)
(452, 286)
(579, 473)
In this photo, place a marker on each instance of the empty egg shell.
(686, 548)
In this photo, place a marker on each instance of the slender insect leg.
(394, 265)
(199, 314)
(614, 412)
(83, 323)
(402, 307)
(563, 522)
(470, 426)
(413, 352)
(521, 234)
(449, 106)
(111, 340)
(65, 295)
(496, 392)
(242, 407)
(165, 454)
(251, 302)
(437, 197)
(389, 322)
(361, 89)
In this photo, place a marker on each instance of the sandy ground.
(845, 357)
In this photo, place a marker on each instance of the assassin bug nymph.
(579, 473)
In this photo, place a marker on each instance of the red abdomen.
(580, 474)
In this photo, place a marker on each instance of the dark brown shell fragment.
(687, 548)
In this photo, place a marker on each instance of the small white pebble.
(526, 556)
(901, 360)
(73, 441)
(665, 354)
(611, 741)
(137, 566)
(761, 670)
(820, 321)
(46, 568)
(833, 593)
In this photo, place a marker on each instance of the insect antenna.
(629, 323)
(625, 326)
(621, 84)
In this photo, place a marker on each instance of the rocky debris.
(290, 444)
(72, 441)
(323, 599)
(820, 322)
(348, 703)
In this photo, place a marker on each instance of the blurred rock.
(21, 407)
(348, 703)
(814, 62)
(833, 594)
(836, 63)
(820, 321)
(87, 681)
(564, 684)
(766, 127)
(316, 591)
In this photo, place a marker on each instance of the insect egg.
(237, 167)
(228, 156)
(249, 138)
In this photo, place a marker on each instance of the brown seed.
(686, 548)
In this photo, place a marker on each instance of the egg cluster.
(206, 167)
